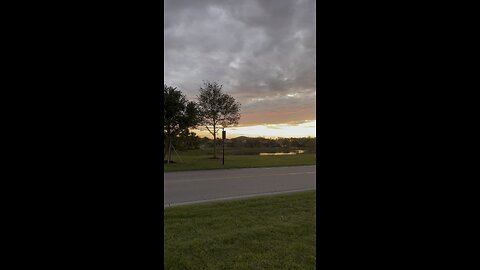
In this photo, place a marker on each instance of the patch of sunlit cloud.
(298, 129)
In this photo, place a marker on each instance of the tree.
(188, 140)
(216, 110)
(179, 115)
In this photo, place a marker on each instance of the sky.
(263, 52)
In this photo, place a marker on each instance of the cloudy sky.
(262, 51)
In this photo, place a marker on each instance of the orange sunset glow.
(293, 130)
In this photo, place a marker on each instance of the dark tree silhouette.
(179, 115)
(216, 110)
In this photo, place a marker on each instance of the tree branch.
(209, 130)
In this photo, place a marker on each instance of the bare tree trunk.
(169, 150)
(165, 150)
(214, 142)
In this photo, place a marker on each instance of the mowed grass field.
(273, 232)
(202, 160)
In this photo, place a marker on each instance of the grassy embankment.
(235, 158)
(273, 232)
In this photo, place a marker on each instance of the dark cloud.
(263, 52)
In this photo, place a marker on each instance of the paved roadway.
(211, 185)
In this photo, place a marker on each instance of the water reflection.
(283, 154)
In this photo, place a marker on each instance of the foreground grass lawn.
(273, 232)
(200, 160)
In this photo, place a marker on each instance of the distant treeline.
(192, 141)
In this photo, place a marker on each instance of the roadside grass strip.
(199, 160)
(272, 232)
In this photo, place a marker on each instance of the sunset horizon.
(301, 129)
(262, 53)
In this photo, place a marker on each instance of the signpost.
(224, 135)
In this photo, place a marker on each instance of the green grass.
(202, 160)
(273, 232)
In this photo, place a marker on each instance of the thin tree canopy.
(216, 109)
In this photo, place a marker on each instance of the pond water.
(283, 154)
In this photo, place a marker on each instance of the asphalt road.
(211, 185)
